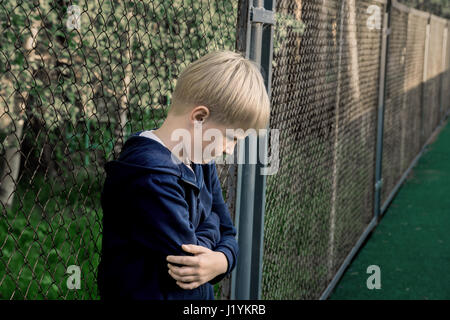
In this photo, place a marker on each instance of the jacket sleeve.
(161, 215)
(227, 244)
(208, 232)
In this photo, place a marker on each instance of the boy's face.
(217, 140)
(200, 139)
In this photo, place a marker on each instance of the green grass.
(48, 229)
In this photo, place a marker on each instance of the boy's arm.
(227, 244)
(161, 216)
(208, 232)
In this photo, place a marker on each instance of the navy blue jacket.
(151, 206)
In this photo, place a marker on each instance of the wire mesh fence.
(325, 95)
(76, 81)
(324, 92)
(415, 103)
(394, 113)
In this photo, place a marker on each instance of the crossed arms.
(163, 213)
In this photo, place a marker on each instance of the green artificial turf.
(411, 244)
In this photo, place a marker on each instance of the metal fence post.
(251, 184)
(442, 73)
(381, 103)
(424, 81)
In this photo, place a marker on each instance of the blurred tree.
(77, 76)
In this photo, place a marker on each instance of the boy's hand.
(198, 269)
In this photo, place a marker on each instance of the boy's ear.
(200, 113)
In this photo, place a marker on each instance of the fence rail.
(357, 90)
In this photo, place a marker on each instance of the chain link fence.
(77, 80)
(325, 87)
(324, 92)
(415, 103)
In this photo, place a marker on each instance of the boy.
(167, 232)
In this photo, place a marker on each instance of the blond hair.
(229, 85)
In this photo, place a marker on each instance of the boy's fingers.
(184, 278)
(183, 271)
(188, 286)
(193, 248)
(186, 260)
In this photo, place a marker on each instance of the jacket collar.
(135, 151)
